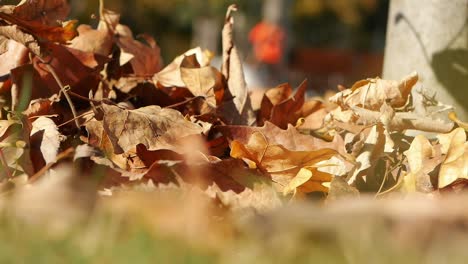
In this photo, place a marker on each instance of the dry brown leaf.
(170, 76)
(15, 158)
(237, 110)
(340, 189)
(144, 58)
(285, 112)
(49, 140)
(289, 138)
(16, 55)
(98, 40)
(13, 32)
(372, 93)
(455, 165)
(47, 12)
(281, 164)
(371, 151)
(422, 160)
(202, 81)
(152, 126)
(261, 197)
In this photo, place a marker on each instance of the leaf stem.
(63, 90)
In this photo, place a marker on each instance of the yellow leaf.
(288, 169)
(455, 165)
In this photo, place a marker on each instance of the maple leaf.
(281, 164)
(152, 126)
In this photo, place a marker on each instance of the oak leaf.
(281, 164)
(289, 138)
(152, 126)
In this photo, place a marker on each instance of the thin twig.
(63, 90)
(83, 98)
(73, 119)
(65, 154)
(184, 102)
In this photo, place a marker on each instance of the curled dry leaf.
(237, 110)
(170, 76)
(61, 34)
(15, 55)
(422, 160)
(152, 126)
(47, 12)
(284, 112)
(202, 81)
(49, 140)
(281, 164)
(371, 93)
(367, 156)
(98, 40)
(289, 138)
(455, 165)
(13, 32)
(403, 121)
(144, 58)
(261, 196)
(14, 159)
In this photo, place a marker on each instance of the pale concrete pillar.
(430, 37)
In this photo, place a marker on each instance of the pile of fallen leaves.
(100, 103)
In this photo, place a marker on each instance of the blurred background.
(328, 42)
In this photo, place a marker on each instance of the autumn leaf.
(371, 93)
(47, 12)
(98, 40)
(455, 165)
(281, 164)
(152, 126)
(422, 160)
(49, 140)
(14, 155)
(144, 58)
(202, 81)
(290, 138)
(284, 112)
(237, 109)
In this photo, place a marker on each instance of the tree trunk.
(431, 37)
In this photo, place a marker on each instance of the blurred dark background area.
(329, 42)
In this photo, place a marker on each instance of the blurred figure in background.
(268, 39)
